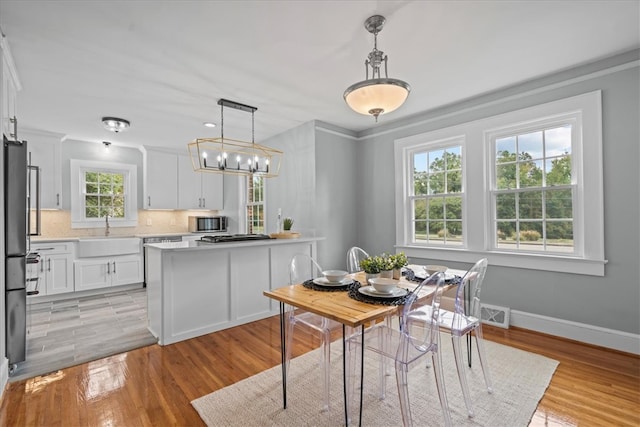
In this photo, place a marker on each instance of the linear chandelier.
(377, 95)
(232, 156)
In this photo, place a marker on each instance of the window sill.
(545, 262)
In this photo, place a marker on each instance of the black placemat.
(410, 276)
(356, 295)
(309, 284)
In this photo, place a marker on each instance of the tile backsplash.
(57, 223)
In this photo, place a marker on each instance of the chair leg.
(352, 350)
(325, 366)
(483, 359)
(382, 369)
(442, 393)
(462, 375)
(290, 323)
(403, 392)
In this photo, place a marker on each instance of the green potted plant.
(287, 224)
(386, 265)
(399, 260)
(371, 266)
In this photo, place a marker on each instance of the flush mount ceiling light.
(115, 124)
(377, 95)
(232, 156)
(106, 144)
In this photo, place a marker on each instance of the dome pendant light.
(377, 95)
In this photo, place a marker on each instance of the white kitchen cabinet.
(44, 148)
(10, 88)
(198, 190)
(194, 290)
(54, 272)
(103, 272)
(160, 179)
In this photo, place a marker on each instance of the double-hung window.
(255, 204)
(100, 189)
(533, 190)
(436, 194)
(524, 189)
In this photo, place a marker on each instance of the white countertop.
(201, 246)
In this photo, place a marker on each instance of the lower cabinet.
(192, 291)
(94, 273)
(54, 273)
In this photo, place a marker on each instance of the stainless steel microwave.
(206, 224)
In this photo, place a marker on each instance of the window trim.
(78, 168)
(476, 184)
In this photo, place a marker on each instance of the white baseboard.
(4, 376)
(596, 335)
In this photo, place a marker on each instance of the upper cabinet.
(10, 88)
(44, 148)
(160, 179)
(198, 190)
(171, 183)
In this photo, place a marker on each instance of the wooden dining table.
(340, 307)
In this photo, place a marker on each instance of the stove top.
(224, 238)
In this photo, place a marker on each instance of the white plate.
(322, 281)
(370, 291)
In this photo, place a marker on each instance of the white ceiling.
(164, 64)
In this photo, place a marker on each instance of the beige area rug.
(519, 378)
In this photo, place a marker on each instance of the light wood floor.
(153, 386)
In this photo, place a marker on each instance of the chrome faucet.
(106, 220)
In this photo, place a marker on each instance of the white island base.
(196, 288)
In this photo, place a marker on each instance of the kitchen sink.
(107, 246)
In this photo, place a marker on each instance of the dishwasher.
(155, 239)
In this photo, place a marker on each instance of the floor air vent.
(495, 315)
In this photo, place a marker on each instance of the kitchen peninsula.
(195, 288)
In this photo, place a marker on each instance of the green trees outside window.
(533, 190)
(104, 195)
(437, 205)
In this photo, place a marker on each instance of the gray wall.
(611, 301)
(316, 187)
(335, 206)
(294, 189)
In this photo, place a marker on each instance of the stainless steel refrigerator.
(16, 245)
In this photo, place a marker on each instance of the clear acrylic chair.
(303, 267)
(354, 256)
(460, 323)
(407, 345)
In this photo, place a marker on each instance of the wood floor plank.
(154, 385)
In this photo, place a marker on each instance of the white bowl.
(382, 284)
(432, 269)
(334, 275)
